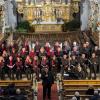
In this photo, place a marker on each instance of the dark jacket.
(90, 91)
(95, 97)
(20, 97)
(47, 80)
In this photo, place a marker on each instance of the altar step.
(51, 37)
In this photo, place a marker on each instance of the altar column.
(26, 2)
(99, 23)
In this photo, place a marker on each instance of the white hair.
(77, 93)
(96, 92)
(74, 98)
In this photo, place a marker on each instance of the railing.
(48, 36)
(5, 36)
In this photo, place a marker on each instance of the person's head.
(96, 48)
(23, 49)
(84, 45)
(73, 57)
(42, 49)
(74, 98)
(77, 93)
(18, 91)
(65, 43)
(37, 43)
(57, 43)
(11, 43)
(83, 55)
(75, 49)
(47, 44)
(54, 57)
(93, 55)
(46, 70)
(18, 58)
(87, 43)
(90, 87)
(74, 43)
(79, 68)
(28, 57)
(44, 57)
(96, 92)
(59, 49)
(10, 58)
(64, 56)
(4, 53)
(86, 98)
(2, 45)
(35, 57)
(13, 50)
(32, 50)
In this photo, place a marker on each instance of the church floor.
(57, 86)
(54, 93)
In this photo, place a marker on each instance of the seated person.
(90, 90)
(96, 96)
(77, 95)
(1, 91)
(10, 90)
(19, 95)
(74, 98)
(74, 73)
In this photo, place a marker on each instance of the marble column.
(99, 23)
(84, 14)
(26, 2)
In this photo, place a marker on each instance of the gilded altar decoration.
(20, 8)
(94, 15)
(48, 12)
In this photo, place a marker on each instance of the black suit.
(47, 82)
(20, 97)
(95, 97)
(11, 70)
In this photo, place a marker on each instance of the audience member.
(95, 96)
(77, 95)
(90, 90)
(19, 95)
(74, 98)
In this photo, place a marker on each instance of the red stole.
(53, 62)
(11, 63)
(44, 62)
(1, 64)
(31, 54)
(35, 63)
(18, 64)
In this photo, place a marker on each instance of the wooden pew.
(22, 84)
(18, 83)
(72, 91)
(74, 84)
(71, 86)
(83, 97)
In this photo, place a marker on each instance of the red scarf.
(43, 62)
(11, 63)
(35, 62)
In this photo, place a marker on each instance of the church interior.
(49, 49)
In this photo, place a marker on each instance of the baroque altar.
(47, 15)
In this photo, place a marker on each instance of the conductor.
(47, 81)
